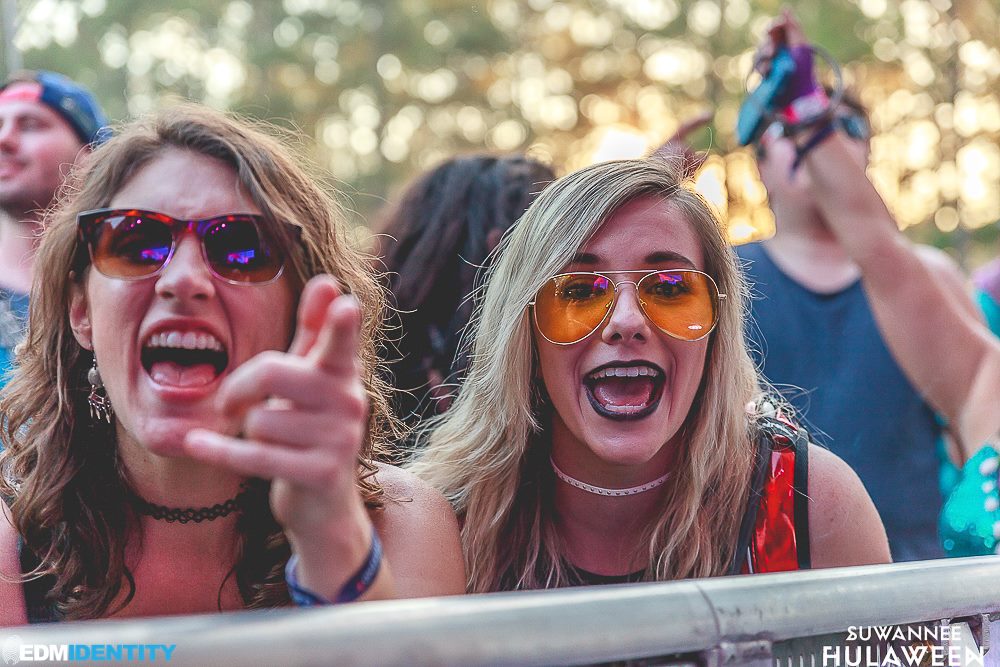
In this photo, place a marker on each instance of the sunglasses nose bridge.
(633, 283)
(612, 313)
(187, 252)
(194, 230)
(618, 290)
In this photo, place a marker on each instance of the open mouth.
(625, 390)
(184, 358)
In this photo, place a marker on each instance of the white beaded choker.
(601, 491)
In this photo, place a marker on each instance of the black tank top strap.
(801, 444)
(758, 475)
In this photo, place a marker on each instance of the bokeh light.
(387, 89)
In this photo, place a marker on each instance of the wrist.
(319, 590)
(309, 516)
(809, 139)
(340, 540)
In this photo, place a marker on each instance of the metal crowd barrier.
(759, 621)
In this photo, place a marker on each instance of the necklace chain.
(600, 490)
(190, 514)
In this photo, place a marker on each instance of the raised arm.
(946, 352)
(921, 308)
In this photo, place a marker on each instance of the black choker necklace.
(190, 514)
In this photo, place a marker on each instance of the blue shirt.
(826, 355)
(13, 317)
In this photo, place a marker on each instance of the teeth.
(186, 340)
(625, 371)
(624, 409)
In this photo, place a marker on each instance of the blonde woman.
(192, 421)
(612, 427)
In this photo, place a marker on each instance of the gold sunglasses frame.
(614, 300)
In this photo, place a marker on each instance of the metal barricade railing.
(734, 621)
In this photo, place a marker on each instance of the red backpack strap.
(774, 535)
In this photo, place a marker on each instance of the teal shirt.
(991, 310)
(970, 519)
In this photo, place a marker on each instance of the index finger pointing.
(336, 347)
(316, 298)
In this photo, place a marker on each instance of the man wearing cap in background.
(47, 123)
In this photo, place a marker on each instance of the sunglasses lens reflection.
(682, 304)
(236, 251)
(133, 244)
(570, 307)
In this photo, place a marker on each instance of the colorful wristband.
(354, 588)
(818, 137)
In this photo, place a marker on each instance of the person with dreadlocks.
(437, 235)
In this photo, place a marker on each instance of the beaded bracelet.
(354, 588)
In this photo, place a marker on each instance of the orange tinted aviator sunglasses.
(682, 303)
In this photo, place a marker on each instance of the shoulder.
(830, 478)
(12, 609)
(420, 533)
(844, 527)
(404, 489)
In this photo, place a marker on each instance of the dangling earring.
(100, 404)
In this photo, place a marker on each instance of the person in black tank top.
(926, 319)
(817, 338)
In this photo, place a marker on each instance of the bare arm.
(952, 278)
(420, 533)
(12, 609)
(844, 527)
(955, 282)
(927, 323)
(942, 346)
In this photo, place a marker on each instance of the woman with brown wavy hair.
(154, 396)
(613, 427)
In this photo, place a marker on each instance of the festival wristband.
(354, 588)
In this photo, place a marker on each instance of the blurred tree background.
(386, 89)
